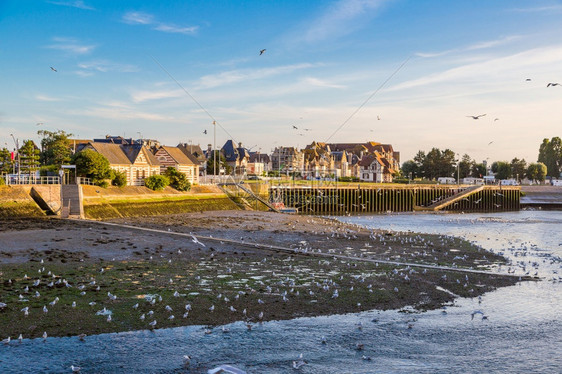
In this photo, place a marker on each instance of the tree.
(502, 169)
(119, 179)
(518, 167)
(410, 169)
(56, 147)
(438, 163)
(28, 157)
(221, 163)
(550, 154)
(177, 179)
(93, 165)
(478, 170)
(465, 166)
(6, 163)
(541, 171)
(157, 182)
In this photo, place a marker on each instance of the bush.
(178, 180)
(348, 179)
(120, 179)
(157, 182)
(49, 170)
(2, 182)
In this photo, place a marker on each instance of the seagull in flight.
(295, 127)
(490, 142)
(262, 51)
(53, 69)
(478, 116)
(528, 80)
(205, 132)
(553, 84)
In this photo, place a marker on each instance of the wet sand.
(219, 280)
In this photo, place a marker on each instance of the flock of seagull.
(285, 287)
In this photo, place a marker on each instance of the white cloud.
(490, 69)
(321, 83)
(75, 4)
(70, 45)
(141, 18)
(106, 66)
(141, 96)
(340, 19)
(549, 9)
(175, 29)
(473, 47)
(41, 97)
(234, 76)
(138, 18)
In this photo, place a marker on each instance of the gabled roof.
(260, 157)
(179, 156)
(194, 152)
(111, 151)
(229, 150)
(132, 151)
(122, 154)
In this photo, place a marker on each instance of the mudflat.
(85, 277)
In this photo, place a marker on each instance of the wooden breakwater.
(397, 198)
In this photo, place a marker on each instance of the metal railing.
(30, 179)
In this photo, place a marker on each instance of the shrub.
(2, 182)
(120, 179)
(157, 182)
(178, 180)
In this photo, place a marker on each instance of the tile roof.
(179, 156)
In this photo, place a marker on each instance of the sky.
(405, 72)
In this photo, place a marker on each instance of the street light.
(458, 171)
(16, 142)
(214, 149)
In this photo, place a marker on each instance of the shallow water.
(522, 332)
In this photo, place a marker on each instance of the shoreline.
(220, 280)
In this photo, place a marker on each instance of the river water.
(522, 332)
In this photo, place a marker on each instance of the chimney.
(209, 147)
(240, 145)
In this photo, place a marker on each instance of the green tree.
(93, 165)
(177, 179)
(56, 147)
(541, 171)
(28, 157)
(465, 166)
(157, 182)
(502, 169)
(410, 169)
(439, 163)
(221, 162)
(478, 170)
(518, 167)
(550, 154)
(119, 179)
(6, 163)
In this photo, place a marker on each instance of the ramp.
(453, 199)
(245, 194)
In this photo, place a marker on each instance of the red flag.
(12, 155)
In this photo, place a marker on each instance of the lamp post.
(214, 149)
(16, 142)
(458, 170)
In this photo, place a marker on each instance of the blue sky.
(405, 72)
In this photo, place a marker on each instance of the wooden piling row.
(357, 200)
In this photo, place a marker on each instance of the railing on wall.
(30, 179)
